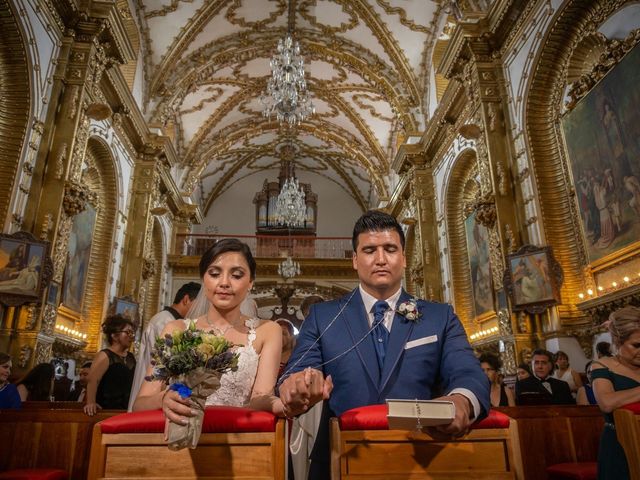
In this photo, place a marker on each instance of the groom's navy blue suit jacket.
(420, 354)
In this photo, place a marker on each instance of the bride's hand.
(176, 408)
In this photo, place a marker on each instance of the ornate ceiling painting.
(206, 63)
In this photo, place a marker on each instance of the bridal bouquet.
(191, 362)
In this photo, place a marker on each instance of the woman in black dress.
(111, 374)
(501, 396)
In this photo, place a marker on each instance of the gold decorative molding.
(612, 55)
(15, 102)
(559, 215)
(462, 189)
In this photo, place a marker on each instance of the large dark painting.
(75, 274)
(478, 249)
(602, 134)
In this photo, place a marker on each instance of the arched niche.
(153, 296)
(99, 176)
(569, 50)
(15, 102)
(462, 190)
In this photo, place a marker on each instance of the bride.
(228, 271)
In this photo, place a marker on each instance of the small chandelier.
(288, 268)
(286, 96)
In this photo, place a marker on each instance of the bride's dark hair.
(228, 245)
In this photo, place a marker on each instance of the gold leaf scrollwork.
(75, 198)
(49, 319)
(485, 211)
(148, 268)
(615, 51)
(25, 356)
(32, 315)
(43, 351)
(509, 365)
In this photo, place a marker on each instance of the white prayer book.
(417, 414)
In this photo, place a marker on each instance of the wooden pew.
(235, 443)
(627, 420)
(552, 434)
(362, 447)
(39, 436)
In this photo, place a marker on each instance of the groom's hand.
(461, 422)
(302, 390)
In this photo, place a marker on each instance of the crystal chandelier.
(288, 268)
(291, 209)
(291, 205)
(286, 96)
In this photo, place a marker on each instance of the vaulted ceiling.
(368, 63)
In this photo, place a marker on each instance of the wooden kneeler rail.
(380, 454)
(219, 456)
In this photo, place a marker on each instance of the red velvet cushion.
(370, 417)
(573, 471)
(216, 420)
(495, 419)
(35, 474)
(374, 417)
(634, 407)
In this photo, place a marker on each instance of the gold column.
(136, 258)
(422, 189)
(59, 194)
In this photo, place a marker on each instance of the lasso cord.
(288, 372)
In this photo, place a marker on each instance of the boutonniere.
(409, 310)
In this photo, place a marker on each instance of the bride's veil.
(199, 307)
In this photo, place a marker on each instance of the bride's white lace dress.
(235, 387)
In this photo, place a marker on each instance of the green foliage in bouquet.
(186, 350)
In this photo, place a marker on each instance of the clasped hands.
(302, 390)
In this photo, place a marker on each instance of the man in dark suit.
(360, 349)
(541, 388)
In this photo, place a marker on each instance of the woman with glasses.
(111, 374)
(501, 396)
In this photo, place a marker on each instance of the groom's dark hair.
(375, 221)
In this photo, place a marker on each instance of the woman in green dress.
(616, 382)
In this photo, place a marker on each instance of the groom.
(358, 350)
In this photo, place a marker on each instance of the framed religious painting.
(477, 236)
(53, 294)
(601, 134)
(126, 307)
(533, 279)
(77, 266)
(25, 268)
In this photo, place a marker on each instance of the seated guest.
(111, 373)
(616, 382)
(500, 395)
(9, 396)
(565, 373)
(585, 393)
(523, 371)
(37, 385)
(79, 391)
(542, 388)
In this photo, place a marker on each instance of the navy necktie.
(380, 332)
